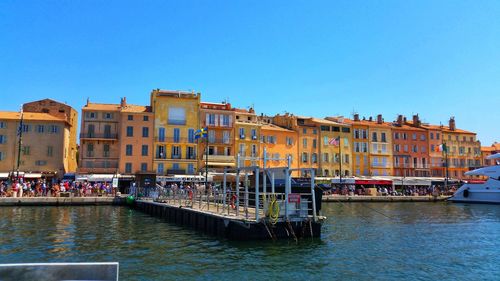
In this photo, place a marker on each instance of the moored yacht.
(487, 192)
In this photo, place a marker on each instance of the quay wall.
(60, 201)
(360, 198)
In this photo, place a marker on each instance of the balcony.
(220, 158)
(176, 157)
(104, 136)
(219, 140)
(175, 140)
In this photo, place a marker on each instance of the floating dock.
(241, 211)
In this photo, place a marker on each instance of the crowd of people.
(44, 188)
(410, 190)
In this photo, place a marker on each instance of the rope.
(274, 210)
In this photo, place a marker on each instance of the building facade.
(335, 147)
(279, 144)
(44, 150)
(247, 137)
(176, 118)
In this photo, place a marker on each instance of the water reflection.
(369, 241)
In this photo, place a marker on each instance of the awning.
(4, 175)
(32, 175)
(221, 164)
(95, 177)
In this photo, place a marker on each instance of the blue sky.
(318, 58)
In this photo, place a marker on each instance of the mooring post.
(272, 182)
(246, 194)
(237, 191)
(287, 183)
(257, 201)
(313, 195)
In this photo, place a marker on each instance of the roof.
(273, 127)
(327, 122)
(33, 116)
(395, 126)
(102, 106)
(488, 148)
(496, 146)
(131, 108)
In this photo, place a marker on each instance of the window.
(304, 157)
(211, 136)
(346, 158)
(191, 135)
(144, 167)
(356, 147)
(326, 157)
(190, 169)
(415, 148)
(50, 151)
(304, 131)
(26, 128)
(90, 150)
(176, 116)
(3, 139)
(40, 129)
(108, 115)
(365, 134)
(175, 166)
(304, 143)
(161, 134)
(374, 136)
(314, 158)
(3, 125)
(130, 117)
(396, 148)
(145, 150)
(254, 134)
(225, 137)
(314, 143)
(225, 120)
(405, 148)
(242, 133)
(315, 132)
(2, 156)
(335, 129)
(128, 168)
(437, 136)
(190, 154)
(91, 115)
(210, 119)
(346, 130)
(325, 128)
(422, 149)
(431, 135)
(160, 152)
(130, 131)
(176, 152)
(106, 150)
(365, 147)
(107, 131)
(26, 150)
(177, 135)
(145, 132)
(396, 136)
(374, 147)
(160, 168)
(422, 137)
(414, 136)
(405, 136)
(356, 133)
(41, 163)
(383, 137)
(145, 118)
(128, 150)
(432, 147)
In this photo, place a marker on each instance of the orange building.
(279, 144)
(308, 138)
(410, 148)
(219, 118)
(247, 137)
(360, 145)
(487, 151)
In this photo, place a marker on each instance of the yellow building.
(176, 118)
(464, 151)
(335, 156)
(45, 148)
(247, 137)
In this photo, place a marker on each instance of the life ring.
(233, 201)
(466, 193)
(190, 195)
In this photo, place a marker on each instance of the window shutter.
(207, 119)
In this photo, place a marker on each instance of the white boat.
(487, 192)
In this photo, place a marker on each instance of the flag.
(334, 141)
(441, 148)
(201, 133)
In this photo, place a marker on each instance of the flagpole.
(340, 156)
(20, 144)
(206, 163)
(445, 149)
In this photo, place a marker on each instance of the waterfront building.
(487, 151)
(463, 150)
(359, 144)
(436, 153)
(410, 145)
(219, 119)
(99, 140)
(247, 137)
(176, 118)
(335, 148)
(279, 144)
(308, 138)
(48, 149)
(135, 138)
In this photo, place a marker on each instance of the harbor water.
(360, 241)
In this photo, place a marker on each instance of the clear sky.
(318, 58)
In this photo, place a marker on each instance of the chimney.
(356, 117)
(88, 101)
(123, 102)
(251, 110)
(379, 119)
(404, 119)
(370, 119)
(452, 123)
(416, 121)
(400, 120)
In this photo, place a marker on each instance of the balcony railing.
(220, 158)
(177, 157)
(98, 136)
(219, 140)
